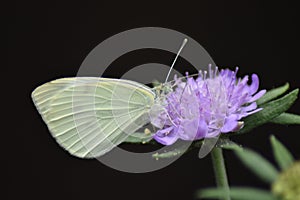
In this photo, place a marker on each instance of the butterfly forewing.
(89, 116)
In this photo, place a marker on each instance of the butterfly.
(89, 116)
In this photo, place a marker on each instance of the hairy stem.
(220, 170)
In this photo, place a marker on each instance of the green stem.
(220, 170)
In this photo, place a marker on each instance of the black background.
(50, 40)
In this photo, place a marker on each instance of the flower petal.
(254, 85)
(212, 134)
(230, 124)
(257, 96)
(166, 136)
(189, 128)
(202, 130)
(254, 111)
(193, 129)
(250, 107)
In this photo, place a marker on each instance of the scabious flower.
(212, 104)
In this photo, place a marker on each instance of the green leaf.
(287, 119)
(282, 155)
(227, 144)
(258, 165)
(138, 137)
(273, 94)
(168, 154)
(270, 111)
(240, 193)
(178, 151)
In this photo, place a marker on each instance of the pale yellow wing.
(89, 116)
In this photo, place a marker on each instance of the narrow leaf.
(287, 119)
(168, 154)
(240, 193)
(270, 111)
(258, 165)
(273, 94)
(282, 155)
(178, 150)
(228, 144)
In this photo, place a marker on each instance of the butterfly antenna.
(180, 49)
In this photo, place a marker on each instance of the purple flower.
(214, 103)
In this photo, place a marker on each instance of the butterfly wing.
(89, 116)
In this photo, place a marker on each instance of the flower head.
(287, 185)
(214, 103)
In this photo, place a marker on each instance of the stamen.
(201, 74)
(205, 73)
(236, 70)
(216, 72)
(210, 71)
